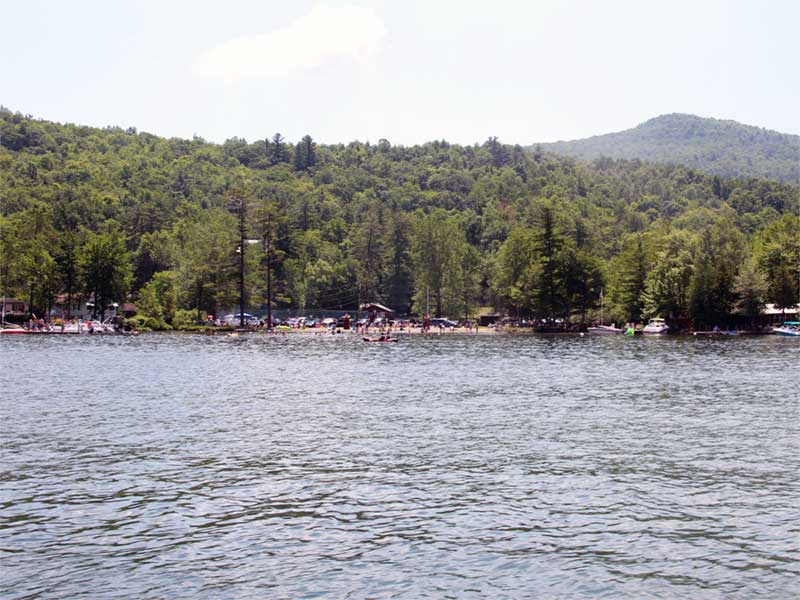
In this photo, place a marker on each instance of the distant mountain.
(724, 148)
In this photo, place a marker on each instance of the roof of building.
(376, 306)
(772, 310)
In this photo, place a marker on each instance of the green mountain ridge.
(719, 147)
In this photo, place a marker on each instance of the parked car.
(437, 322)
(234, 319)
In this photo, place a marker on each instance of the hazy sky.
(406, 71)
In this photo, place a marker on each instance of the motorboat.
(656, 326)
(106, 326)
(11, 328)
(788, 329)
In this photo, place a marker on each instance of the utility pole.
(242, 241)
(427, 301)
(268, 252)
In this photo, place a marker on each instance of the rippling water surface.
(169, 466)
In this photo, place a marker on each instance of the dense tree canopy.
(124, 215)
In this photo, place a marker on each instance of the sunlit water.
(175, 466)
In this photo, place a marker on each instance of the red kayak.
(366, 339)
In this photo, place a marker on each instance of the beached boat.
(656, 326)
(605, 330)
(788, 329)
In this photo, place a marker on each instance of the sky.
(406, 71)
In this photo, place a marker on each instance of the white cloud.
(324, 35)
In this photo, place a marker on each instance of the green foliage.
(542, 273)
(515, 259)
(751, 289)
(777, 251)
(143, 323)
(187, 319)
(667, 283)
(628, 279)
(438, 248)
(711, 294)
(105, 270)
(125, 215)
(158, 299)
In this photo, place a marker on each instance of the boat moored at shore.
(656, 326)
(788, 329)
(605, 330)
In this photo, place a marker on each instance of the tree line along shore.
(179, 227)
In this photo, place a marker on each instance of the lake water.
(455, 466)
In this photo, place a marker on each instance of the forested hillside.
(126, 214)
(724, 148)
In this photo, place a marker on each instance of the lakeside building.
(771, 314)
(377, 311)
(83, 307)
(14, 309)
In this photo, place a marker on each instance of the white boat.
(788, 329)
(85, 327)
(605, 330)
(656, 326)
(98, 327)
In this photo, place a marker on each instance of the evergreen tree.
(667, 284)
(67, 260)
(583, 280)
(751, 289)
(630, 280)
(702, 292)
(368, 252)
(550, 296)
(398, 266)
(277, 150)
(304, 154)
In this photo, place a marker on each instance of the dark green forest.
(126, 215)
(724, 148)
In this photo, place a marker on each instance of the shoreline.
(319, 332)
